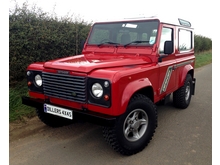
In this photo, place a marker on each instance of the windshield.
(133, 33)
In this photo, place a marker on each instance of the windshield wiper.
(135, 42)
(112, 43)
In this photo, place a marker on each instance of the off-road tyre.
(182, 96)
(51, 120)
(142, 112)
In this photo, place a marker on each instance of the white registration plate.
(58, 111)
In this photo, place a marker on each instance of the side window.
(167, 35)
(185, 40)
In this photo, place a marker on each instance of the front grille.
(66, 87)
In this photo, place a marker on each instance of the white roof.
(163, 19)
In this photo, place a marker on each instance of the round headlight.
(97, 90)
(38, 80)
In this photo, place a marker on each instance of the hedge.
(202, 43)
(38, 36)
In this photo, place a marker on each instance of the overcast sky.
(197, 12)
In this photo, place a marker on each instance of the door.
(167, 80)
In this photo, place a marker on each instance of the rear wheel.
(135, 128)
(51, 120)
(182, 96)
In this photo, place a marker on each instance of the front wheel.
(135, 128)
(182, 96)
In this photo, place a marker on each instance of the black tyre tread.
(52, 121)
(111, 138)
(179, 95)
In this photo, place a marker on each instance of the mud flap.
(193, 86)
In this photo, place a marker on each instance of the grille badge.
(63, 72)
(74, 93)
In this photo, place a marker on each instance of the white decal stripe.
(166, 79)
(169, 72)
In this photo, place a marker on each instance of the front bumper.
(85, 115)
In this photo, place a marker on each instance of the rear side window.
(185, 40)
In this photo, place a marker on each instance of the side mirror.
(168, 47)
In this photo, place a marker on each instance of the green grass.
(203, 58)
(17, 110)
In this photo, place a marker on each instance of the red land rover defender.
(125, 68)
